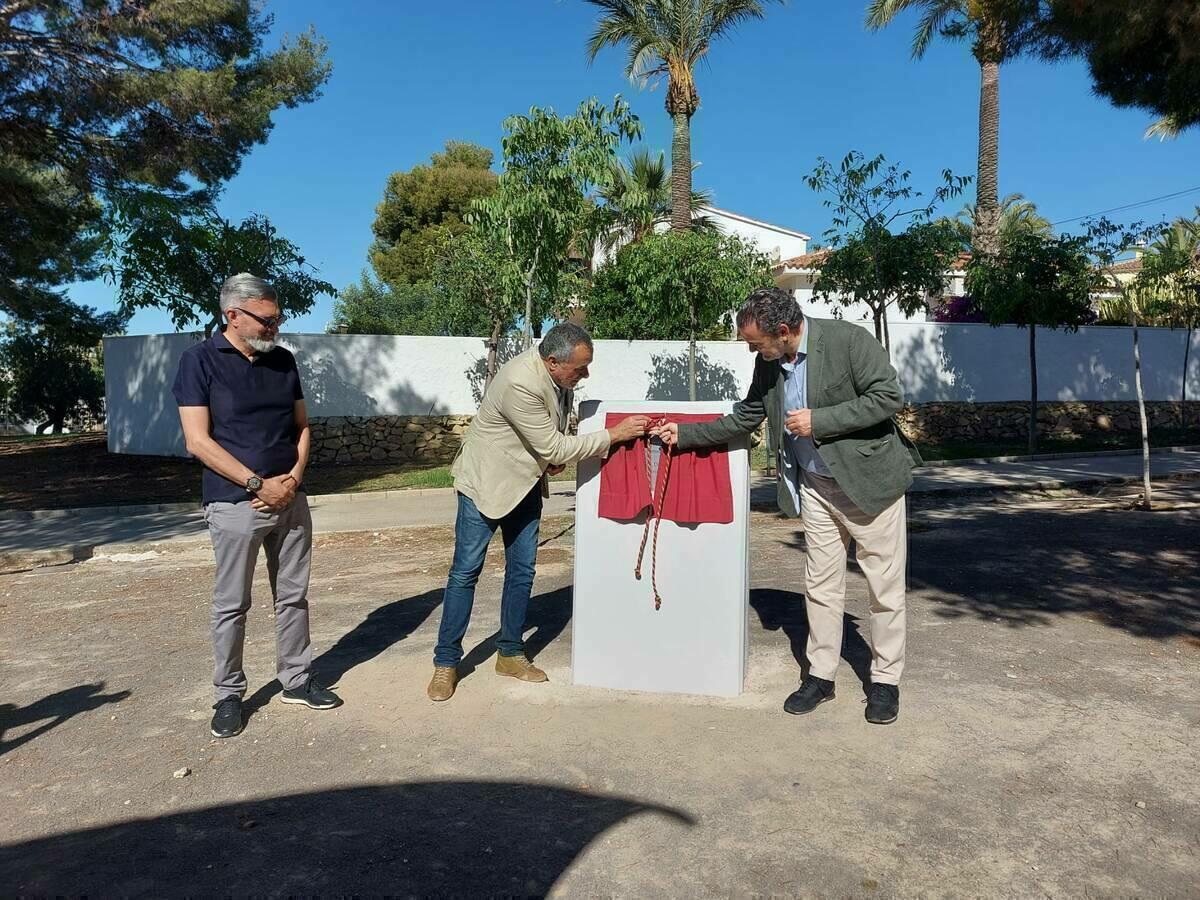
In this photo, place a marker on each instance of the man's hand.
(628, 429)
(275, 493)
(668, 434)
(555, 470)
(799, 422)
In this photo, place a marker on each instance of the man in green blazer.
(828, 393)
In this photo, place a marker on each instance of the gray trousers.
(238, 531)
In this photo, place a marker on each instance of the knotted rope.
(656, 507)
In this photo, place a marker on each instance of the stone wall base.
(434, 440)
(939, 422)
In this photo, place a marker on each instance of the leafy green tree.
(1142, 298)
(53, 364)
(668, 38)
(372, 307)
(422, 206)
(542, 208)
(1035, 281)
(869, 262)
(1175, 272)
(637, 199)
(51, 234)
(1166, 291)
(1140, 54)
(99, 98)
(482, 290)
(674, 286)
(995, 30)
(162, 260)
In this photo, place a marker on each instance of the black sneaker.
(227, 720)
(312, 695)
(883, 704)
(812, 693)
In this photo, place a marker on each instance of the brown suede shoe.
(519, 667)
(441, 687)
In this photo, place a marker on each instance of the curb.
(1030, 487)
(146, 509)
(1036, 457)
(14, 562)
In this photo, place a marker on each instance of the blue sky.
(807, 81)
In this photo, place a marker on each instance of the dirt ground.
(1047, 746)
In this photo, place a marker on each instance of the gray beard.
(259, 345)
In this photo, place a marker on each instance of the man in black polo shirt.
(243, 416)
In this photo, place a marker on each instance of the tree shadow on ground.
(780, 610)
(383, 628)
(52, 711)
(448, 838)
(548, 616)
(1027, 566)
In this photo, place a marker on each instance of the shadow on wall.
(349, 376)
(932, 368)
(668, 375)
(510, 347)
(423, 838)
(141, 413)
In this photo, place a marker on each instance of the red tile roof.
(814, 259)
(804, 261)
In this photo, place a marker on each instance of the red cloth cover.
(699, 488)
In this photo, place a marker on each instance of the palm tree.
(637, 198)
(990, 26)
(1165, 129)
(1016, 214)
(669, 37)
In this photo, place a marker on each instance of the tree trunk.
(985, 241)
(1187, 347)
(887, 335)
(877, 321)
(681, 173)
(493, 346)
(692, 350)
(1147, 501)
(1033, 435)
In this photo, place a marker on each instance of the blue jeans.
(472, 532)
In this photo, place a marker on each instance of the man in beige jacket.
(517, 438)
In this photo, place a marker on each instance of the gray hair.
(244, 286)
(561, 341)
(770, 308)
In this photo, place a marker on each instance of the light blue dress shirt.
(799, 454)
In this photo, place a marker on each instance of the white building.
(796, 269)
(774, 240)
(799, 275)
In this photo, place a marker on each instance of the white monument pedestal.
(697, 643)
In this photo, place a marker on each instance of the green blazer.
(853, 393)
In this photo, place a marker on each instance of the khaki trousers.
(831, 520)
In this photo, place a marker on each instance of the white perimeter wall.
(376, 375)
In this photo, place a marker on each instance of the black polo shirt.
(252, 406)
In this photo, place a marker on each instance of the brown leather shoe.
(519, 667)
(441, 686)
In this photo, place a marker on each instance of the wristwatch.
(253, 484)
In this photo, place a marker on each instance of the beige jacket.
(515, 435)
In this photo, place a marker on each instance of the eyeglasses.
(267, 322)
